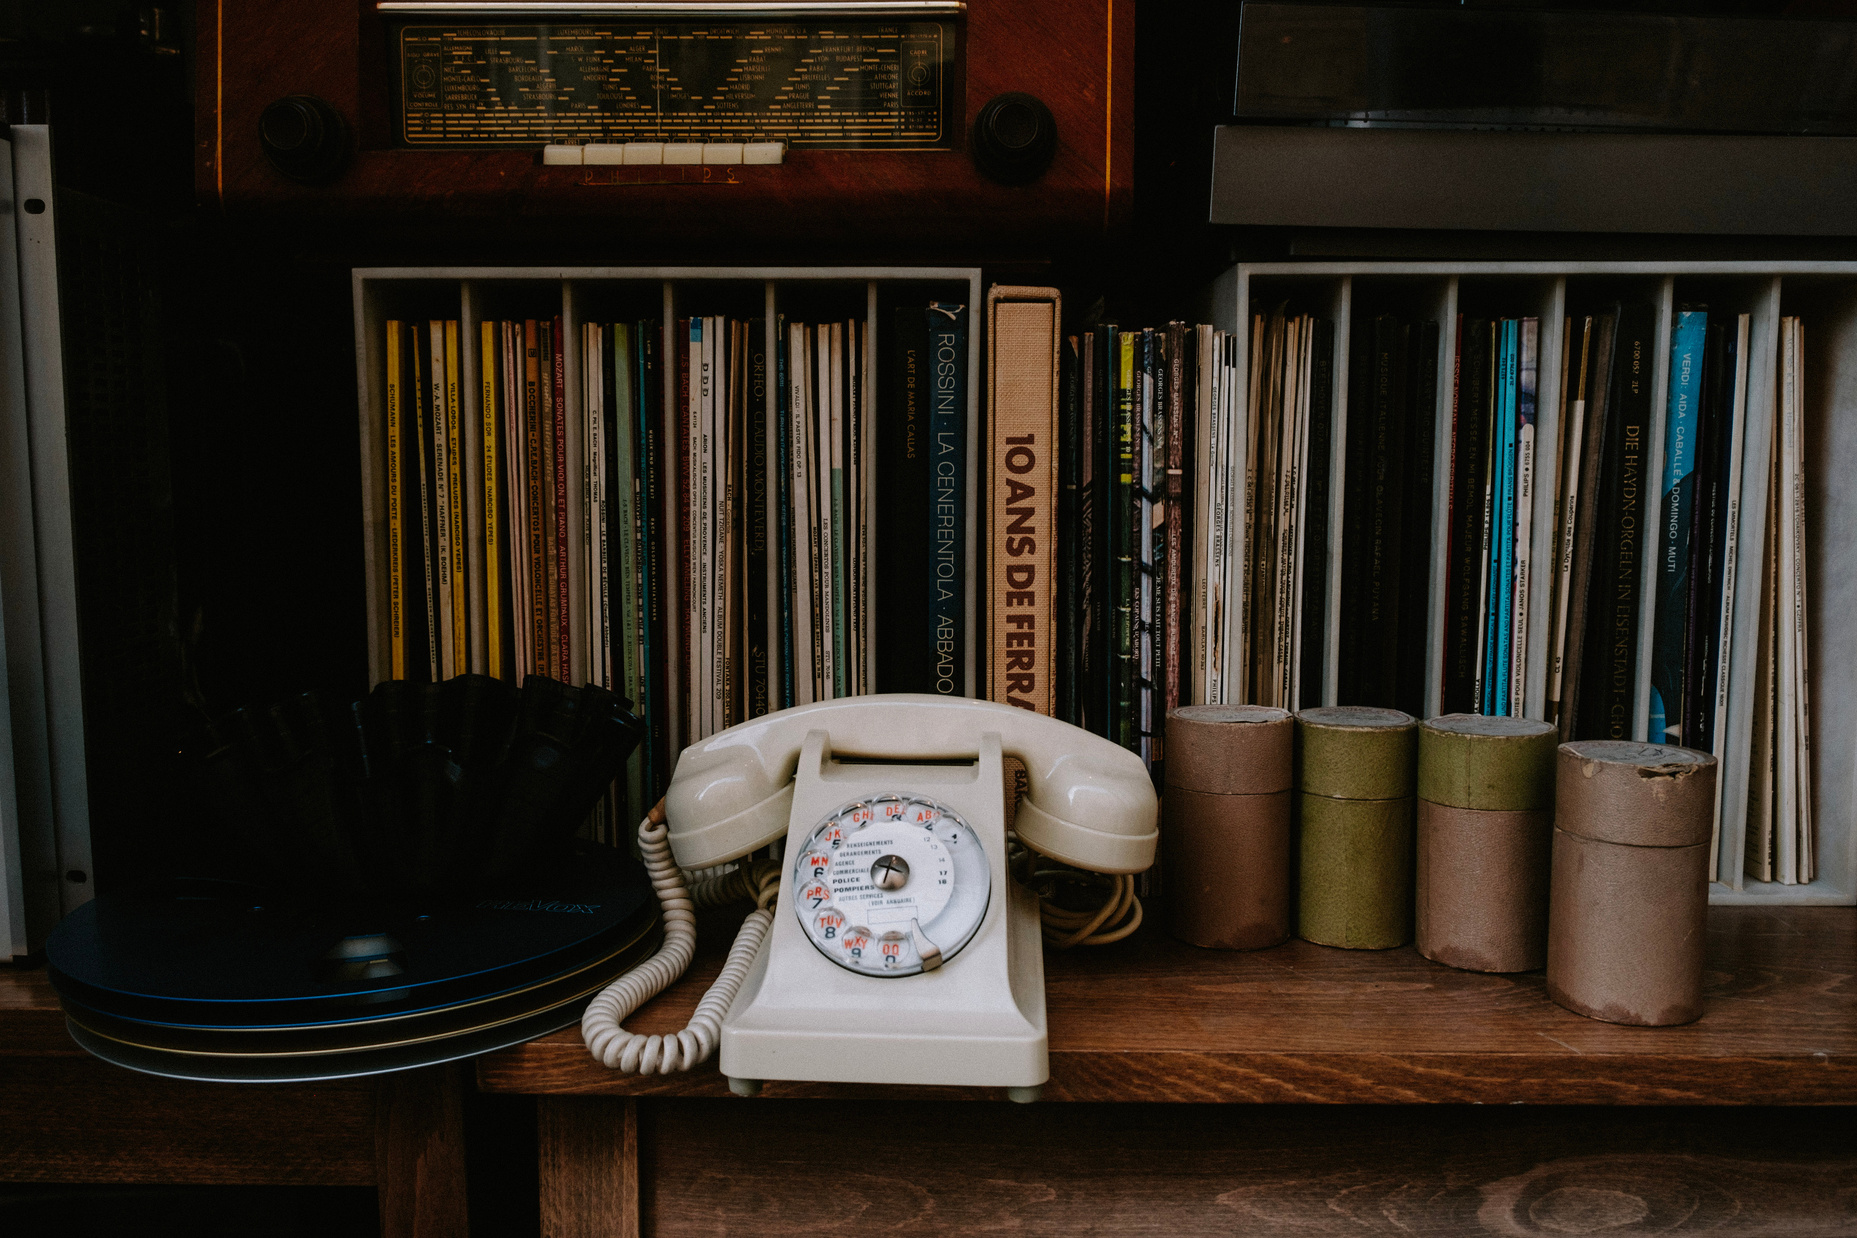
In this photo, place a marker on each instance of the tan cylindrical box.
(1226, 830)
(1485, 831)
(1628, 909)
(1354, 779)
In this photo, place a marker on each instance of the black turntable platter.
(221, 957)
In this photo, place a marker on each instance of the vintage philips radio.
(887, 120)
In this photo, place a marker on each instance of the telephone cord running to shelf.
(601, 1026)
(1116, 917)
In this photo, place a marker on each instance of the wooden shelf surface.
(1153, 1020)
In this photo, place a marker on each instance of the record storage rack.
(582, 294)
(1823, 294)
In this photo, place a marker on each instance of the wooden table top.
(1153, 1020)
(1150, 1019)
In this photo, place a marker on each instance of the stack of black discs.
(409, 892)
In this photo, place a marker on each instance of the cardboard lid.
(1493, 763)
(1642, 795)
(1356, 752)
(1229, 749)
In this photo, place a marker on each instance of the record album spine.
(948, 345)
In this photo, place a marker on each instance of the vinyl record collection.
(702, 546)
(1241, 518)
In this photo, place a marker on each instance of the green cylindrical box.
(1355, 774)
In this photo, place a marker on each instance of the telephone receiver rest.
(1088, 802)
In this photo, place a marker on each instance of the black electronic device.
(1535, 67)
(232, 981)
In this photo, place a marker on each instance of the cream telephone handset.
(898, 948)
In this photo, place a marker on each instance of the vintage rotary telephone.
(901, 950)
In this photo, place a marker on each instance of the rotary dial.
(891, 886)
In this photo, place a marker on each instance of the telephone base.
(744, 1087)
(1025, 1096)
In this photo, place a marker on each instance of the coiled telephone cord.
(1117, 917)
(600, 1027)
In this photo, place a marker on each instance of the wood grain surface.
(1076, 55)
(419, 1152)
(716, 1168)
(1151, 1019)
(76, 1119)
(587, 1153)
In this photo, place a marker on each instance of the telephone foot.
(1025, 1096)
(748, 1087)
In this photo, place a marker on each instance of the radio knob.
(1015, 138)
(304, 138)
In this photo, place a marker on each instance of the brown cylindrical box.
(1226, 829)
(1485, 829)
(1628, 909)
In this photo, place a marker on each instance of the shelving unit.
(589, 294)
(1823, 293)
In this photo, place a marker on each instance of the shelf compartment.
(1825, 294)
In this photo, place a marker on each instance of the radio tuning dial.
(1015, 138)
(304, 138)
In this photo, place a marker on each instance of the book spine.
(682, 422)
(1502, 586)
(856, 453)
(1673, 559)
(1383, 514)
(654, 603)
(599, 591)
(396, 519)
(1419, 470)
(762, 687)
(534, 499)
(1174, 559)
(805, 535)
(1527, 368)
(1612, 671)
(515, 506)
(1208, 441)
(702, 522)
(548, 647)
(823, 512)
(947, 422)
(1147, 428)
(1315, 522)
(1099, 706)
(1486, 520)
(1571, 469)
(1069, 684)
(423, 445)
(1021, 508)
(1730, 569)
(1586, 539)
(471, 465)
(1699, 629)
(1802, 671)
(783, 512)
(443, 494)
(1289, 544)
(491, 462)
(1468, 451)
(615, 534)
(841, 579)
(457, 576)
(563, 558)
(1122, 512)
(1786, 830)
(1266, 416)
